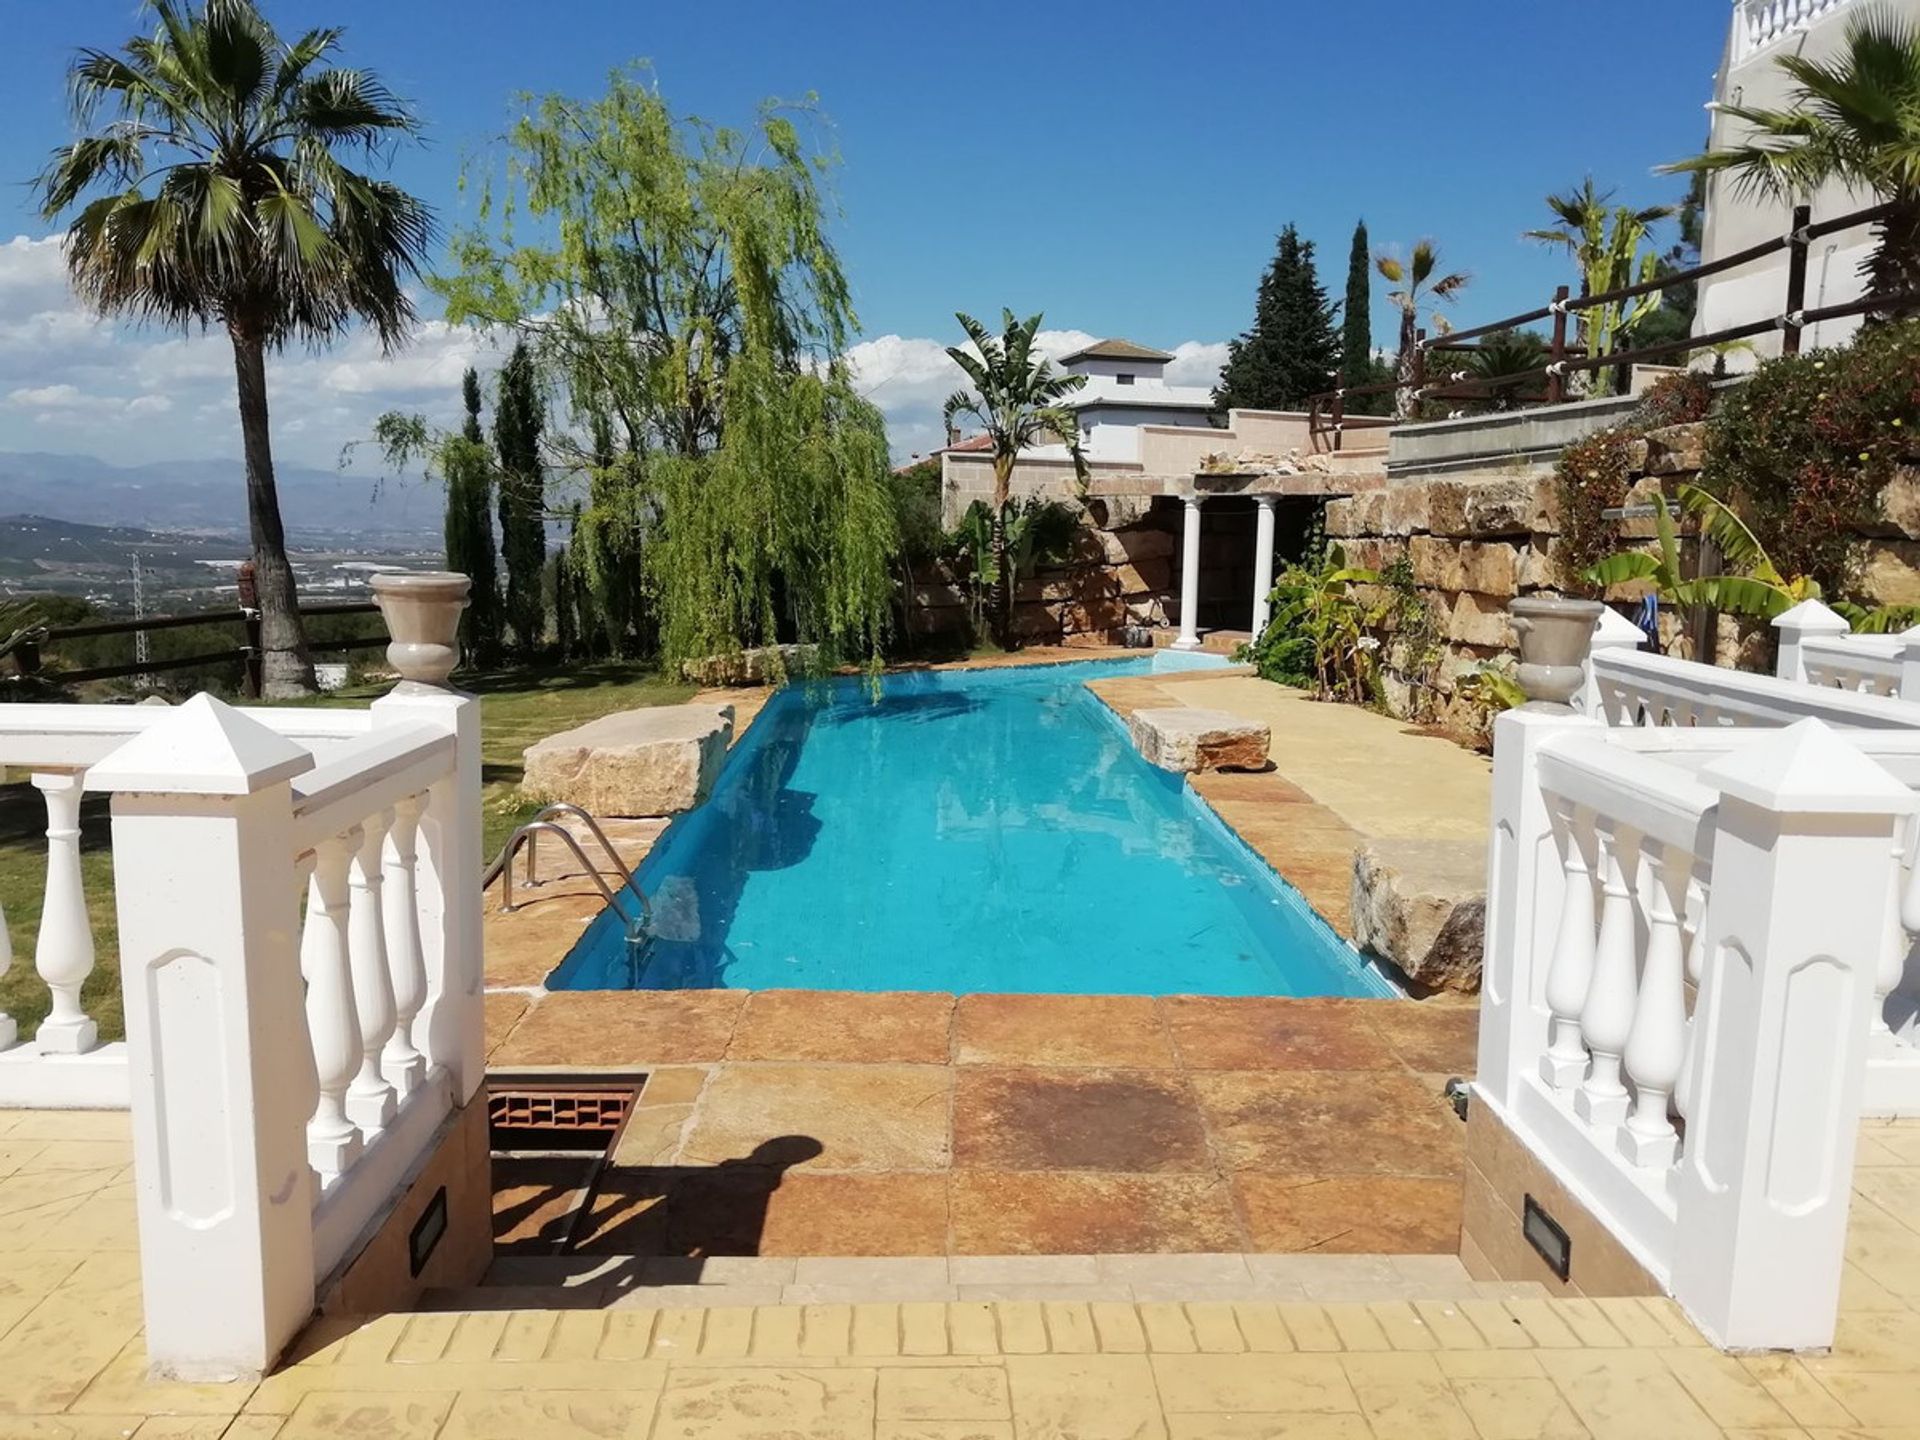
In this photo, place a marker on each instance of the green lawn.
(518, 707)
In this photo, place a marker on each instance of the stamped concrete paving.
(1405, 1367)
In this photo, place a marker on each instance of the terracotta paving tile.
(674, 1085)
(1060, 1213)
(1430, 1035)
(901, 1214)
(523, 948)
(503, 1011)
(854, 1117)
(1123, 1031)
(1330, 1122)
(1136, 1121)
(1275, 1034)
(903, 1028)
(624, 1028)
(1351, 1215)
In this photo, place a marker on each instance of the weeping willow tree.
(676, 283)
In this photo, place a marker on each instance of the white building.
(1126, 388)
(1761, 33)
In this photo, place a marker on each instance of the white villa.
(1126, 388)
(1762, 31)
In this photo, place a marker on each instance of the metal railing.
(1326, 412)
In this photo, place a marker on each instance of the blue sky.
(1124, 168)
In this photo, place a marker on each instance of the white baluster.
(370, 1099)
(1690, 922)
(403, 1063)
(1606, 1019)
(1904, 924)
(1565, 1062)
(333, 1140)
(64, 954)
(1656, 1046)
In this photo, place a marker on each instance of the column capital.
(1266, 501)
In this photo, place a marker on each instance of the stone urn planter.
(1556, 637)
(422, 612)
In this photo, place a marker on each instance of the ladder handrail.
(502, 868)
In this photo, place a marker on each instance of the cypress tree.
(1291, 351)
(517, 421)
(469, 529)
(1356, 325)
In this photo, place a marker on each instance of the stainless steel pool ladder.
(544, 824)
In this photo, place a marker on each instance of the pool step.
(624, 1281)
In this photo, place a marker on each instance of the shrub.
(1596, 473)
(1807, 445)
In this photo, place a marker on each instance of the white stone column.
(207, 894)
(1190, 576)
(1795, 924)
(1262, 561)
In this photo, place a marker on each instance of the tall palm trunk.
(1003, 572)
(1404, 402)
(1895, 266)
(286, 667)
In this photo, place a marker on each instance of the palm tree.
(222, 200)
(1414, 275)
(1854, 119)
(1016, 398)
(1606, 241)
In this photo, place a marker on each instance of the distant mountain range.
(319, 507)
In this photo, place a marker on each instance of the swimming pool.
(966, 831)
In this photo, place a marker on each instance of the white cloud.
(130, 394)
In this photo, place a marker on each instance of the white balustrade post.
(1614, 634)
(1795, 922)
(333, 1140)
(402, 1063)
(1263, 562)
(64, 954)
(422, 613)
(9, 1031)
(1525, 887)
(206, 893)
(1189, 576)
(1809, 620)
(370, 1099)
(1606, 1019)
(1909, 665)
(1656, 1046)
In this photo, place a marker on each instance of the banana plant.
(1754, 585)
(1606, 241)
(1323, 604)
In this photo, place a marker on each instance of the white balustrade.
(293, 1072)
(1705, 866)
(1766, 23)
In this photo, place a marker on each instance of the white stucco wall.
(1750, 75)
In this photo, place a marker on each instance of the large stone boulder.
(1422, 904)
(760, 665)
(1184, 738)
(657, 761)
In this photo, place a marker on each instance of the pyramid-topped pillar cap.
(1614, 631)
(204, 747)
(1808, 768)
(1811, 617)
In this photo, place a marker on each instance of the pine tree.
(1291, 351)
(469, 529)
(1356, 323)
(518, 418)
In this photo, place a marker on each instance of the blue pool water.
(962, 831)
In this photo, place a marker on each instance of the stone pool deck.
(840, 1123)
(1413, 1364)
(1340, 777)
